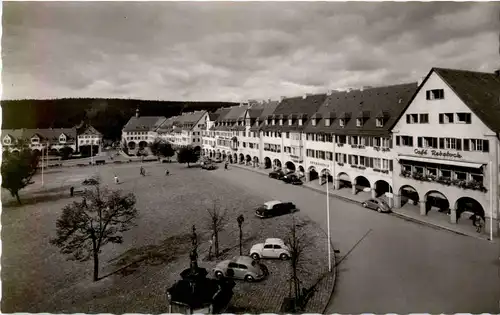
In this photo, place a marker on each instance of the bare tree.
(217, 222)
(297, 242)
(86, 226)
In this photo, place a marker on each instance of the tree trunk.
(96, 265)
(18, 199)
(188, 165)
(216, 244)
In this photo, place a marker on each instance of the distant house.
(140, 131)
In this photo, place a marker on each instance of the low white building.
(141, 131)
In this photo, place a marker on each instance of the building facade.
(141, 131)
(446, 144)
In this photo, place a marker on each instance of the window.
(379, 122)
(377, 141)
(405, 141)
(446, 118)
(431, 171)
(341, 123)
(300, 122)
(314, 122)
(430, 142)
(464, 118)
(290, 122)
(327, 122)
(273, 121)
(385, 164)
(386, 143)
(477, 177)
(376, 163)
(446, 173)
(329, 156)
(354, 140)
(341, 139)
(281, 122)
(461, 175)
(476, 145)
(450, 143)
(354, 159)
(435, 94)
(424, 118)
(358, 122)
(412, 118)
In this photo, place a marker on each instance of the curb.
(396, 214)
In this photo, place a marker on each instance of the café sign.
(438, 153)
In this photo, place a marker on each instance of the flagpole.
(42, 165)
(328, 224)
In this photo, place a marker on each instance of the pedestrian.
(479, 224)
(167, 173)
(71, 191)
(225, 166)
(116, 179)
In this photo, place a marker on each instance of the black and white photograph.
(207, 157)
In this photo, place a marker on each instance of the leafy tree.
(161, 147)
(18, 170)
(217, 222)
(84, 227)
(124, 147)
(297, 241)
(187, 155)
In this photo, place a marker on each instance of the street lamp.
(240, 220)
(328, 224)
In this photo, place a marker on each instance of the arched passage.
(230, 157)
(248, 158)
(37, 152)
(289, 165)
(344, 180)
(224, 155)
(326, 176)
(131, 145)
(382, 187)
(302, 172)
(277, 163)
(235, 158)
(362, 182)
(408, 194)
(242, 157)
(312, 173)
(470, 205)
(143, 144)
(267, 162)
(437, 200)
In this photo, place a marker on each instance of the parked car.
(275, 208)
(90, 181)
(277, 174)
(241, 267)
(208, 166)
(271, 248)
(376, 204)
(292, 179)
(217, 160)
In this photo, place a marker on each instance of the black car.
(293, 179)
(277, 174)
(90, 181)
(208, 166)
(275, 208)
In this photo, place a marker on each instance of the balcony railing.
(446, 181)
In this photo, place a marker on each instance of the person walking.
(116, 179)
(479, 224)
(167, 173)
(225, 166)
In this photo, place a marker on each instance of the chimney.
(137, 112)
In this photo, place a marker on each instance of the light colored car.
(377, 204)
(271, 248)
(241, 267)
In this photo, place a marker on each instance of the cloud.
(235, 51)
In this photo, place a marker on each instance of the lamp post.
(328, 225)
(240, 220)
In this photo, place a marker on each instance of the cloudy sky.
(236, 51)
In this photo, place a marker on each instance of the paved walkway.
(407, 212)
(387, 264)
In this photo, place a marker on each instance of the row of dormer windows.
(457, 144)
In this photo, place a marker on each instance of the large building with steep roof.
(446, 146)
(140, 131)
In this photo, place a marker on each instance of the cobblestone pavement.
(400, 267)
(37, 278)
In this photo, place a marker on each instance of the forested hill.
(107, 115)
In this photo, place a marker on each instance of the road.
(400, 267)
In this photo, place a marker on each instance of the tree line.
(107, 115)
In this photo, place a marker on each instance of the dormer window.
(62, 138)
(313, 121)
(342, 122)
(327, 122)
(267, 121)
(274, 121)
(281, 122)
(300, 121)
(379, 122)
(6, 140)
(289, 121)
(359, 122)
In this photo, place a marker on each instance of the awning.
(440, 161)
